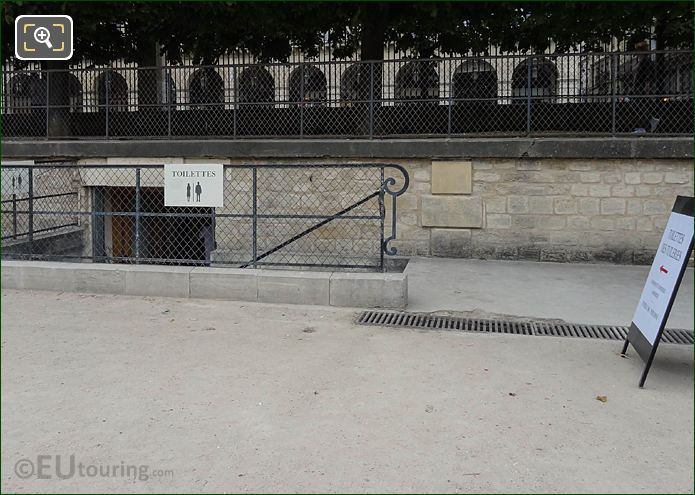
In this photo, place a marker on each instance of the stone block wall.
(550, 209)
(544, 210)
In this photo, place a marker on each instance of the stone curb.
(344, 289)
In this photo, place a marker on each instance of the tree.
(106, 31)
(203, 31)
(95, 36)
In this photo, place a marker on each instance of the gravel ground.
(221, 396)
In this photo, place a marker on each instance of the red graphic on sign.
(662, 269)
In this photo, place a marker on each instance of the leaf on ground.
(602, 398)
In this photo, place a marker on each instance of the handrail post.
(301, 100)
(371, 100)
(614, 81)
(235, 101)
(451, 103)
(48, 103)
(170, 103)
(529, 61)
(254, 247)
(93, 220)
(137, 215)
(14, 215)
(107, 82)
(382, 216)
(31, 212)
(394, 195)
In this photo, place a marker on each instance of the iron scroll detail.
(386, 188)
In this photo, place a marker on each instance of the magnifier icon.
(43, 35)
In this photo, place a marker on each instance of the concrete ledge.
(493, 147)
(39, 276)
(367, 290)
(372, 290)
(110, 280)
(294, 287)
(235, 284)
(152, 280)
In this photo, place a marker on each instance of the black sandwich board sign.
(662, 283)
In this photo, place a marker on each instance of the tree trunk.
(58, 87)
(372, 43)
(148, 87)
(373, 20)
(660, 79)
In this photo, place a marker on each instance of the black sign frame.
(684, 206)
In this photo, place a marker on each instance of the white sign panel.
(663, 276)
(194, 184)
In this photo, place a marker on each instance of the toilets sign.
(193, 184)
(665, 276)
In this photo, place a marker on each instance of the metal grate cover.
(535, 328)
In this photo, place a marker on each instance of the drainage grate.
(433, 322)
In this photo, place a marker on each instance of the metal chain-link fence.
(516, 95)
(329, 216)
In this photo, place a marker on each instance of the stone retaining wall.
(546, 209)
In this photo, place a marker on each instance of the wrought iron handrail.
(225, 222)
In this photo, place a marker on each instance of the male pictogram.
(198, 190)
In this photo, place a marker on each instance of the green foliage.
(107, 31)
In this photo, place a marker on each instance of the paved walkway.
(216, 396)
(577, 293)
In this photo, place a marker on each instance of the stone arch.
(307, 85)
(354, 83)
(25, 92)
(474, 79)
(256, 85)
(544, 76)
(206, 88)
(417, 80)
(114, 84)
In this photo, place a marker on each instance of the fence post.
(14, 215)
(170, 102)
(6, 104)
(254, 248)
(382, 216)
(614, 77)
(529, 61)
(31, 212)
(137, 215)
(301, 101)
(213, 223)
(451, 102)
(235, 102)
(371, 100)
(48, 101)
(107, 83)
(94, 223)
